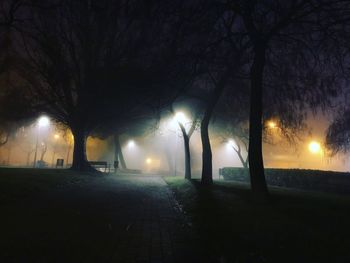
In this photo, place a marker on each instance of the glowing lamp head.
(148, 160)
(314, 147)
(43, 121)
(131, 144)
(181, 117)
(230, 143)
(272, 124)
(56, 136)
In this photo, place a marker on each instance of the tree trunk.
(3, 141)
(245, 164)
(207, 168)
(187, 152)
(28, 158)
(9, 155)
(239, 154)
(80, 162)
(43, 152)
(256, 164)
(118, 153)
(169, 161)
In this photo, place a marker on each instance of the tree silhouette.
(88, 66)
(299, 31)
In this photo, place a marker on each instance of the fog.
(158, 151)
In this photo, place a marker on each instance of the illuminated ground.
(63, 217)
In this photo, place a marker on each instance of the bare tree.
(187, 125)
(87, 65)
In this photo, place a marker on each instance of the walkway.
(110, 219)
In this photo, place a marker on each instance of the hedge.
(328, 181)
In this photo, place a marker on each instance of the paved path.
(110, 219)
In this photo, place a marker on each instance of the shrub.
(296, 178)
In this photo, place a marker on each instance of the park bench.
(99, 164)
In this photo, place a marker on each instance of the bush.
(328, 181)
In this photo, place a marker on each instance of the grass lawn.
(295, 226)
(19, 183)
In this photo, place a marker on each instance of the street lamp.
(272, 124)
(231, 143)
(315, 147)
(131, 144)
(42, 122)
(56, 137)
(181, 117)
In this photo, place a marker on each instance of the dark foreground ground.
(295, 226)
(57, 216)
(60, 216)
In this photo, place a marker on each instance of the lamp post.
(56, 137)
(42, 122)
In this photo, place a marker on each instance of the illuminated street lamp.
(131, 144)
(315, 147)
(42, 122)
(231, 143)
(69, 147)
(56, 137)
(181, 117)
(271, 124)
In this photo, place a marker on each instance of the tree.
(87, 65)
(187, 127)
(237, 138)
(14, 107)
(221, 63)
(338, 133)
(186, 137)
(297, 30)
(9, 19)
(26, 143)
(232, 118)
(118, 153)
(219, 77)
(138, 126)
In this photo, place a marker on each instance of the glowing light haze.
(315, 147)
(161, 150)
(43, 121)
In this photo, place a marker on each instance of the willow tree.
(292, 45)
(338, 132)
